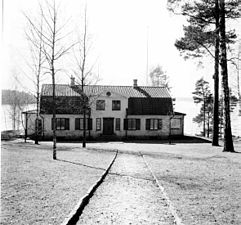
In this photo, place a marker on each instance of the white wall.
(109, 113)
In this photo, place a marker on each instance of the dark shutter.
(117, 123)
(89, 124)
(138, 124)
(148, 124)
(52, 123)
(160, 124)
(66, 124)
(77, 123)
(125, 124)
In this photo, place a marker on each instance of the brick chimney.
(72, 81)
(135, 83)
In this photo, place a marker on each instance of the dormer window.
(116, 105)
(100, 105)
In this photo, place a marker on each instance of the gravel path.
(128, 195)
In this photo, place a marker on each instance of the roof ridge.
(152, 86)
(128, 91)
(106, 85)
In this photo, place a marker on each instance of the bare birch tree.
(83, 73)
(35, 39)
(51, 34)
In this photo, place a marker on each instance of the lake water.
(187, 106)
(183, 105)
(6, 121)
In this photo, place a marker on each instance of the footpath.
(128, 195)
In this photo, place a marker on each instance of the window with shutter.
(98, 124)
(132, 124)
(61, 123)
(79, 124)
(153, 124)
(117, 124)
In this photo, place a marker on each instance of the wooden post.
(26, 127)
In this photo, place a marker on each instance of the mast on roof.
(147, 54)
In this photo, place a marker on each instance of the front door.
(108, 126)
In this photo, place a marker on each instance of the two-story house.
(113, 111)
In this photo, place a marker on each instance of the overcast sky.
(119, 31)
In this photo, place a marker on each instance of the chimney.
(72, 81)
(135, 83)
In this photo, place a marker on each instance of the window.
(117, 124)
(132, 124)
(176, 123)
(61, 123)
(100, 105)
(116, 105)
(79, 124)
(98, 124)
(153, 124)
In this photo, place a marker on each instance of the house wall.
(177, 125)
(109, 113)
(30, 123)
(163, 132)
(72, 133)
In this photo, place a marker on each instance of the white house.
(114, 112)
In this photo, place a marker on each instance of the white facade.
(99, 118)
(109, 115)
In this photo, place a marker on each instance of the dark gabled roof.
(150, 106)
(92, 90)
(64, 105)
(179, 114)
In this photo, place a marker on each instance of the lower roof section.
(150, 106)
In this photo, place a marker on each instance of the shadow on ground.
(173, 140)
(150, 140)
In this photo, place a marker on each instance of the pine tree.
(202, 95)
(202, 33)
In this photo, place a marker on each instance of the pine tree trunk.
(228, 141)
(216, 81)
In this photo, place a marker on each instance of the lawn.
(204, 190)
(203, 183)
(38, 190)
